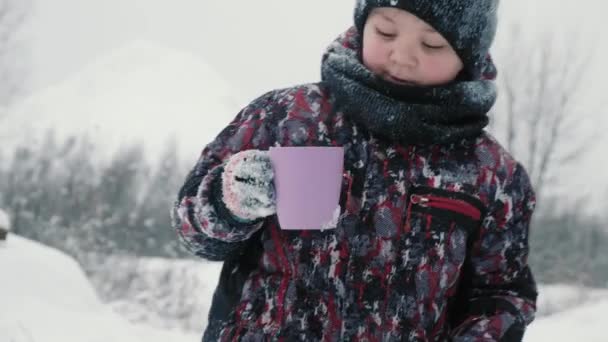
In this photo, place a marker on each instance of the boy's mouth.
(397, 80)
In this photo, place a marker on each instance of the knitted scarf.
(401, 113)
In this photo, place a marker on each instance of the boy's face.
(403, 49)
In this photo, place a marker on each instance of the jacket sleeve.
(199, 216)
(498, 290)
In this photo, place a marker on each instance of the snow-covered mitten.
(248, 185)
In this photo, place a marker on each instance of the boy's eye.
(385, 34)
(433, 46)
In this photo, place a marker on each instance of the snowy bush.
(164, 293)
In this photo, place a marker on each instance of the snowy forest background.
(96, 135)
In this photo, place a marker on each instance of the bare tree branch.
(542, 82)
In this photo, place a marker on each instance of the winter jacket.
(431, 244)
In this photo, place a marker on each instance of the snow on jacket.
(432, 241)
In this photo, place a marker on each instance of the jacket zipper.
(455, 205)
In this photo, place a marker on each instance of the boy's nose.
(404, 58)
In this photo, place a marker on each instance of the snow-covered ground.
(46, 297)
(159, 292)
(585, 323)
(555, 299)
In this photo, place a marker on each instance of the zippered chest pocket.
(448, 209)
(440, 224)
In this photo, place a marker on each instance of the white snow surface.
(46, 297)
(51, 300)
(585, 323)
(165, 294)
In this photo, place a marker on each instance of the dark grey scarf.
(406, 114)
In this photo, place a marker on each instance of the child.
(432, 240)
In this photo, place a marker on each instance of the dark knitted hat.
(468, 25)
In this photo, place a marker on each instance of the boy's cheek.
(373, 59)
(440, 71)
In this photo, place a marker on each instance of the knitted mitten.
(247, 185)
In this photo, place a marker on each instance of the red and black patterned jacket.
(431, 245)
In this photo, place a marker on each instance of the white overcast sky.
(255, 45)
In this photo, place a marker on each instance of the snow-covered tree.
(158, 194)
(12, 53)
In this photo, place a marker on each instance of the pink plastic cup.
(308, 182)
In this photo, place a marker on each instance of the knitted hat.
(468, 25)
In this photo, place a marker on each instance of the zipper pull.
(421, 200)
